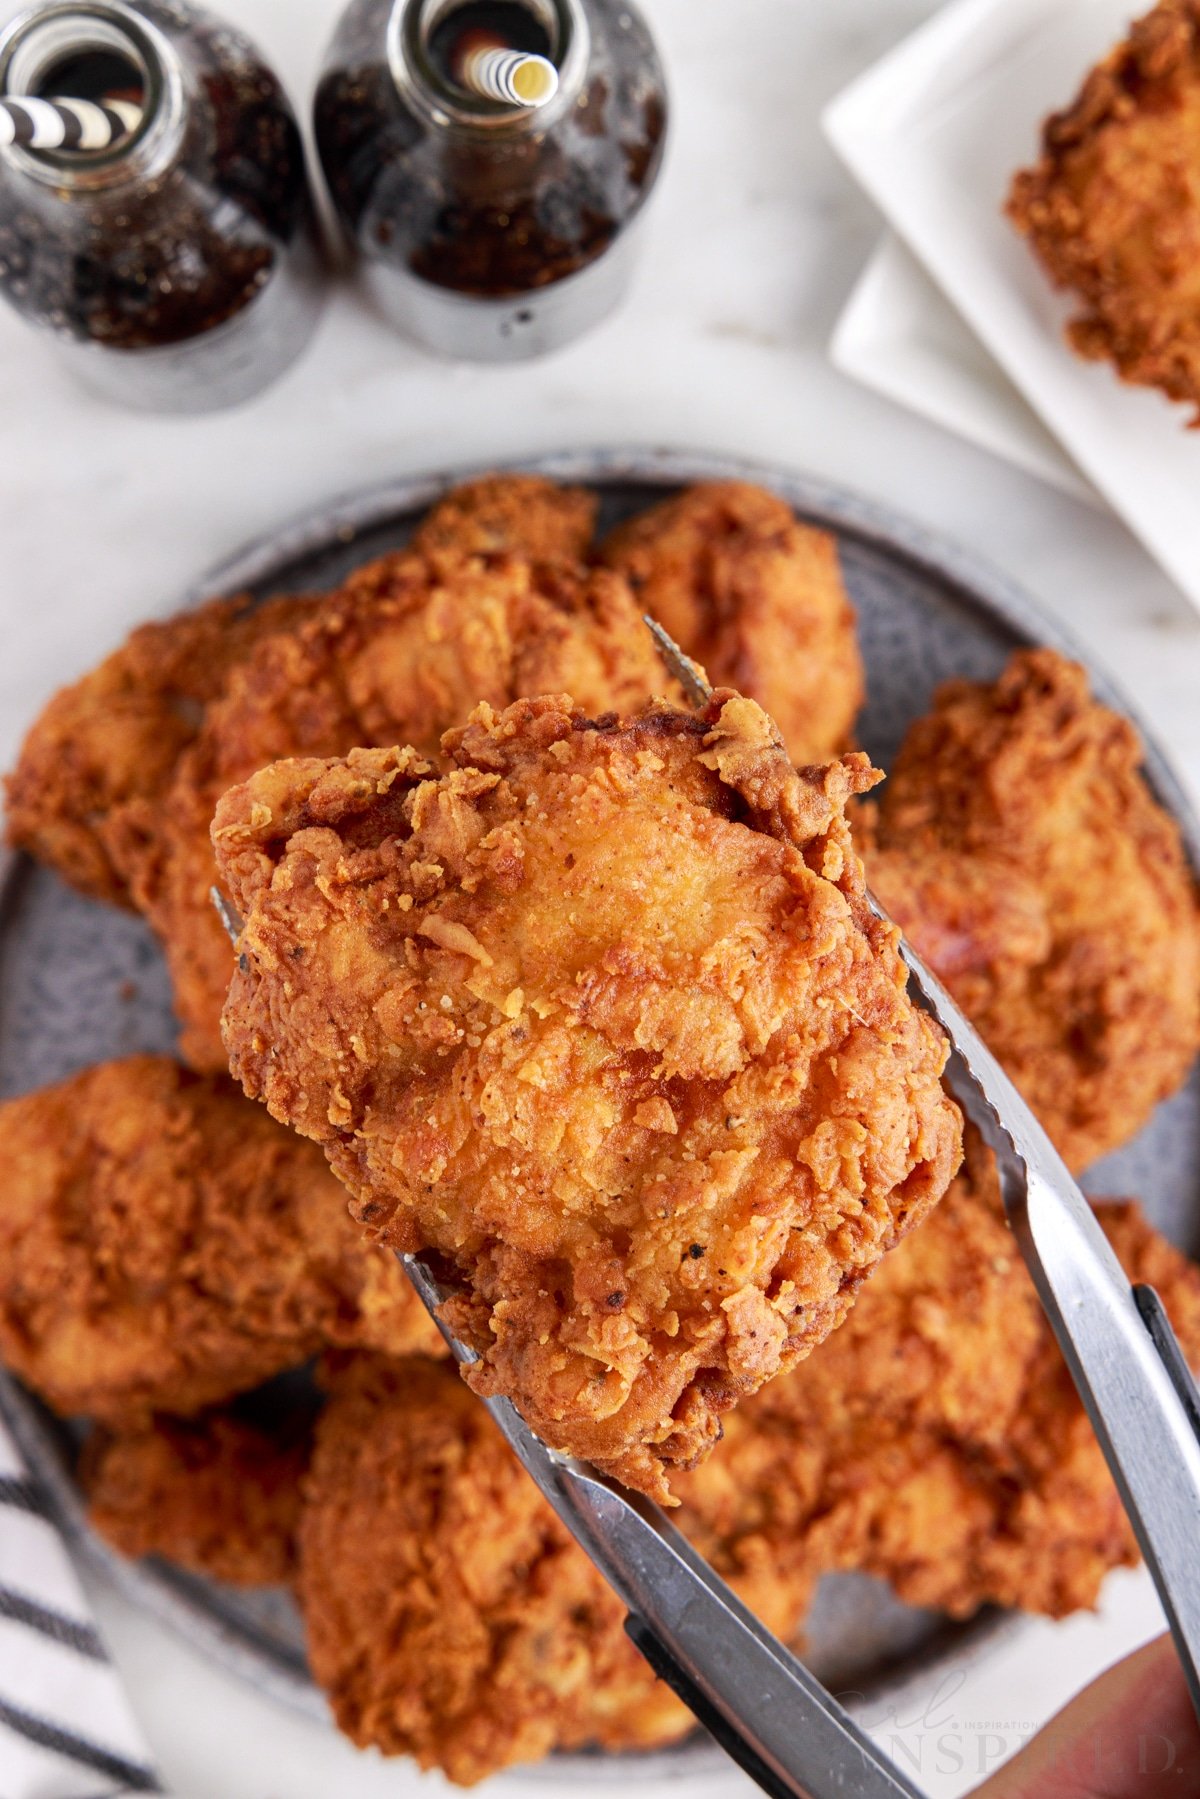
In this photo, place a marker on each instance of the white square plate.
(899, 335)
(934, 133)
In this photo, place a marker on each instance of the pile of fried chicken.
(544, 972)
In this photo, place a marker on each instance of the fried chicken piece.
(1019, 848)
(215, 1494)
(1112, 207)
(599, 1013)
(938, 1444)
(758, 598)
(114, 738)
(524, 513)
(936, 1438)
(398, 655)
(939, 1345)
(450, 1616)
(164, 1245)
(1037, 1522)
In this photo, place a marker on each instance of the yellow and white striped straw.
(514, 76)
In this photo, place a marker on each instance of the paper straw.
(513, 76)
(62, 124)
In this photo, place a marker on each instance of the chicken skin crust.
(1034, 1522)
(598, 1012)
(1112, 207)
(758, 598)
(215, 1494)
(525, 514)
(401, 652)
(936, 1439)
(164, 1245)
(1019, 848)
(111, 741)
(450, 1615)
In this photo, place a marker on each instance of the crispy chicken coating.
(1019, 847)
(758, 598)
(938, 1345)
(937, 1444)
(936, 1438)
(164, 1245)
(97, 764)
(1034, 1522)
(598, 1012)
(398, 655)
(215, 1494)
(113, 739)
(450, 1616)
(1112, 207)
(524, 513)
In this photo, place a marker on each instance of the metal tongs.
(756, 1699)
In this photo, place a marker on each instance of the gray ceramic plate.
(80, 983)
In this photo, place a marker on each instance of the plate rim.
(162, 1593)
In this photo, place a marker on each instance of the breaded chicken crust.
(941, 1447)
(527, 514)
(758, 598)
(164, 1245)
(1036, 1522)
(935, 1440)
(113, 739)
(598, 1011)
(450, 1616)
(1019, 847)
(1112, 207)
(215, 1494)
(403, 651)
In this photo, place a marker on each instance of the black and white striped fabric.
(62, 124)
(66, 1730)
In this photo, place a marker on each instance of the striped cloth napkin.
(66, 1730)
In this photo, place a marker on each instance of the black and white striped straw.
(63, 124)
(66, 1730)
(515, 76)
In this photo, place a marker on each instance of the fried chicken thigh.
(598, 1012)
(164, 1245)
(398, 655)
(758, 598)
(450, 1616)
(525, 514)
(215, 1494)
(112, 741)
(936, 1438)
(1033, 1521)
(1112, 208)
(1019, 847)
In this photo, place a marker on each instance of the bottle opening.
(485, 24)
(489, 62)
(100, 54)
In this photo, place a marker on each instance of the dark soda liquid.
(97, 75)
(505, 22)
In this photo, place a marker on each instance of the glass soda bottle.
(487, 228)
(176, 267)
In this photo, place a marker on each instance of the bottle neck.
(66, 34)
(412, 25)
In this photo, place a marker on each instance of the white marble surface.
(756, 241)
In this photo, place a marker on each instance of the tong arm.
(1124, 1358)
